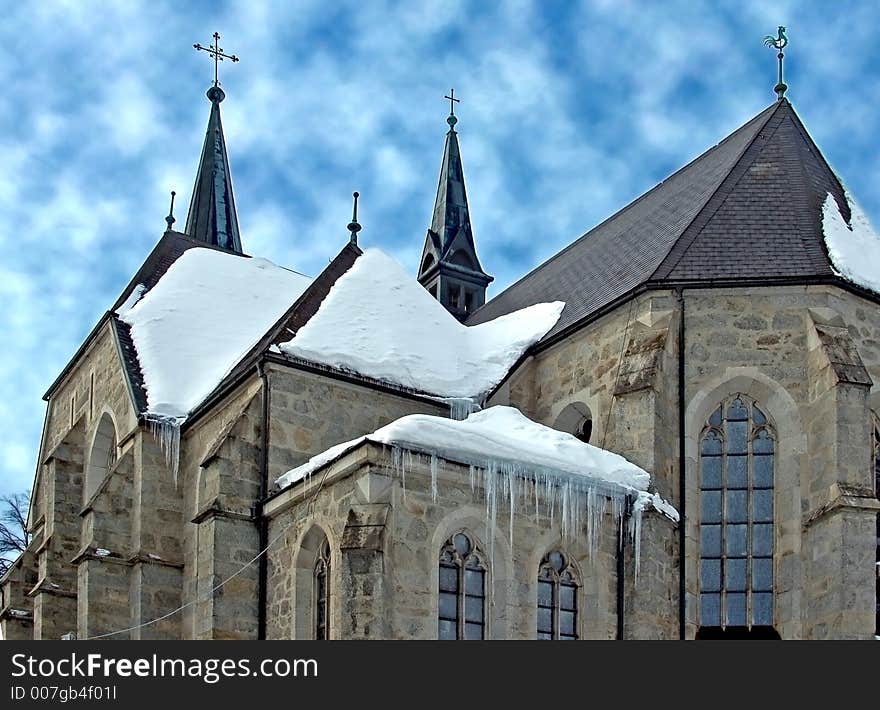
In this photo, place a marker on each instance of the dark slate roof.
(750, 207)
(212, 218)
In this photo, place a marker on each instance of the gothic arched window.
(322, 592)
(461, 608)
(736, 517)
(557, 598)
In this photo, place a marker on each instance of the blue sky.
(569, 111)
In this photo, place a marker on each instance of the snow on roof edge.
(853, 247)
(485, 439)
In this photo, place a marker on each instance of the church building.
(667, 430)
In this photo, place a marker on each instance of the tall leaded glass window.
(737, 451)
(322, 592)
(557, 598)
(462, 601)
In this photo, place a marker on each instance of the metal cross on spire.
(216, 51)
(779, 42)
(452, 120)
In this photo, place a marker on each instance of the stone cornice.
(842, 496)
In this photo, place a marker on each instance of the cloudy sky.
(568, 112)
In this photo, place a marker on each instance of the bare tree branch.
(13, 528)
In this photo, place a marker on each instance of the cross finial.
(452, 120)
(779, 42)
(169, 220)
(354, 227)
(216, 51)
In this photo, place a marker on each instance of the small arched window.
(737, 451)
(557, 598)
(322, 592)
(576, 419)
(461, 607)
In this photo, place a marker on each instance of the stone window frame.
(557, 572)
(724, 494)
(461, 555)
(321, 593)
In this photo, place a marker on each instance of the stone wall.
(311, 412)
(385, 540)
(797, 351)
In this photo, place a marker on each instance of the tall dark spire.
(450, 269)
(212, 217)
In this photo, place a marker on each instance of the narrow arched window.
(576, 419)
(322, 592)
(737, 451)
(557, 598)
(461, 607)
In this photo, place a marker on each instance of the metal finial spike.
(354, 227)
(169, 220)
(452, 120)
(779, 42)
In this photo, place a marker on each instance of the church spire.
(450, 269)
(212, 217)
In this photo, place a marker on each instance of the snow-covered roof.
(205, 313)
(854, 248)
(497, 435)
(379, 322)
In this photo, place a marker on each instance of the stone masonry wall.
(386, 587)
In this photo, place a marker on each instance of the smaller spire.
(169, 220)
(212, 217)
(779, 42)
(451, 119)
(354, 227)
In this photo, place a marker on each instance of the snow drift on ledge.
(854, 248)
(495, 435)
(520, 465)
(200, 319)
(379, 322)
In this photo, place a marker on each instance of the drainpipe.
(621, 566)
(262, 523)
(682, 581)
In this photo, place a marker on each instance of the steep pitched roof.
(450, 238)
(212, 218)
(451, 212)
(750, 207)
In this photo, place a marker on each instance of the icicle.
(460, 408)
(511, 483)
(635, 536)
(491, 506)
(166, 431)
(399, 459)
(434, 466)
(537, 512)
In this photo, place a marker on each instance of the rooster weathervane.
(779, 42)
